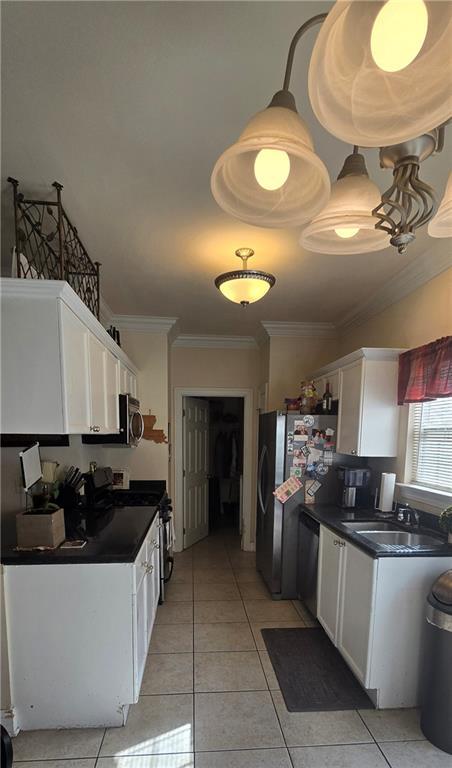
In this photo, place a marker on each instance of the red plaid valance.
(425, 373)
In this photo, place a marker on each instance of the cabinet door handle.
(353, 452)
(95, 429)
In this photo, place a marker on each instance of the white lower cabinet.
(78, 638)
(329, 582)
(373, 610)
(356, 609)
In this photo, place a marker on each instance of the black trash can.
(436, 693)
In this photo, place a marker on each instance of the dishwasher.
(308, 554)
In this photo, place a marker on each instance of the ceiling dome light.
(244, 286)
(271, 177)
(441, 224)
(346, 224)
(377, 74)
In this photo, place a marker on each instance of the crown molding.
(143, 323)
(215, 342)
(300, 330)
(106, 313)
(420, 271)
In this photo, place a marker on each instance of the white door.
(195, 432)
(328, 585)
(359, 575)
(349, 425)
(76, 388)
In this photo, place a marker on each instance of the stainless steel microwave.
(131, 425)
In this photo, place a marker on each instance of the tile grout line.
(100, 747)
(373, 737)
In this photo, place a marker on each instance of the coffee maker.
(354, 487)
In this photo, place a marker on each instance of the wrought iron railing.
(48, 246)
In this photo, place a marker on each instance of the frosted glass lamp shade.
(346, 224)
(244, 286)
(357, 100)
(283, 188)
(441, 224)
(244, 290)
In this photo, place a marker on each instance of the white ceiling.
(128, 105)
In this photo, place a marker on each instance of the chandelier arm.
(408, 197)
(427, 196)
(319, 19)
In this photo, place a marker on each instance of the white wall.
(291, 359)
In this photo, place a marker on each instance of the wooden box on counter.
(40, 528)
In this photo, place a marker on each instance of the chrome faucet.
(408, 516)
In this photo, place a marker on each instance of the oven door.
(136, 423)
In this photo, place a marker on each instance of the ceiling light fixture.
(244, 286)
(346, 224)
(377, 71)
(376, 79)
(271, 177)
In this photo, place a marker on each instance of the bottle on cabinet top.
(327, 399)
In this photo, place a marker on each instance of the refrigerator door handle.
(259, 484)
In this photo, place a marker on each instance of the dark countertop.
(334, 517)
(121, 532)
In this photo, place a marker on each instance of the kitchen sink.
(371, 526)
(390, 537)
(404, 538)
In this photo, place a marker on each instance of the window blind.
(431, 458)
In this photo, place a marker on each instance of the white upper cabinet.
(60, 368)
(368, 411)
(75, 371)
(349, 427)
(111, 391)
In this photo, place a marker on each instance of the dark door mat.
(312, 674)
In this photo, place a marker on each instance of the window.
(431, 447)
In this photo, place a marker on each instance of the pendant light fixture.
(376, 79)
(271, 177)
(346, 224)
(377, 72)
(244, 286)
(441, 224)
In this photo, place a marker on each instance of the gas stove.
(142, 493)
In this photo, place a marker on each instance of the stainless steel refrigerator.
(277, 524)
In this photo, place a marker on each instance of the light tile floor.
(210, 698)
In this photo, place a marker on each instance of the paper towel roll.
(387, 486)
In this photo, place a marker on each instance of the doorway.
(225, 464)
(228, 465)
